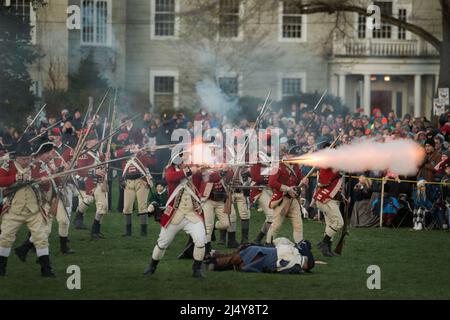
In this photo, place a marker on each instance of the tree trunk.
(444, 75)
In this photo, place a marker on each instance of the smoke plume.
(402, 157)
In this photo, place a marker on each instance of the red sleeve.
(6, 179)
(255, 172)
(214, 177)
(173, 176)
(121, 153)
(67, 155)
(273, 181)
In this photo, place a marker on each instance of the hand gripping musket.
(18, 186)
(264, 109)
(32, 122)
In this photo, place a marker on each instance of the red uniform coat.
(146, 159)
(174, 176)
(89, 177)
(212, 182)
(329, 185)
(258, 179)
(287, 175)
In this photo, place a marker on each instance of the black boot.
(213, 235)
(208, 250)
(151, 268)
(325, 246)
(127, 231)
(22, 251)
(197, 269)
(332, 251)
(144, 228)
(188, 251)
(46, 268)
(245, 227)
(259, 238)
(79, 221)
(95, 231)
(63, 241)
(232, 243)
(3, 263)
(223, 237)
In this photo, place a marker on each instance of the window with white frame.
(362, 26)
(22, 8)
(229, 18)
(96, 24)
(164, 89)
(292, 22)
(164, 18)
(385, 32)
(229, 86)
(291, 87)
(402, 15)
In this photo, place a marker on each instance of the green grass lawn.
(414, 265)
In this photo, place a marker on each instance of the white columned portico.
(342, 88)
(367, 94)
(417, 95)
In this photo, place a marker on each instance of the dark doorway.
(382, 100)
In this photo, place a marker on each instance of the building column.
(334, 85)
(417, 95)
(342, 88)
(367, 95)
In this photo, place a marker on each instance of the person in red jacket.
(285, 203)
(260, 174)
(183, 212)
(91, 188)
(328, 189)
(27, 205)
(138, 181)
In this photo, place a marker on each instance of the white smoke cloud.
(213, 99)
(402, 157)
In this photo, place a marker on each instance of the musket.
(228, 202)
(108, 147)
(32, 122)
(18, 186)
(116, 130)
(88, 111)
(45, 131)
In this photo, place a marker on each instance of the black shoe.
(232, 243)
(188, 251)
(3, 263)
(95, 231)
(144, 228)
(22, 251)
(151, 268)
(46, 268)
(127, 231)
(325, 249)
(63, 241)
(198, 270)
(223, 237)
(79, 221)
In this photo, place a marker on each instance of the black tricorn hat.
(43, 148)
(23, 149)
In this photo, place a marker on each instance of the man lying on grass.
(284, 257)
